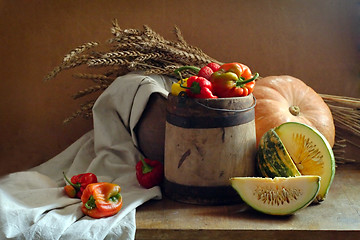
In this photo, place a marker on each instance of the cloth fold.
(33, 204)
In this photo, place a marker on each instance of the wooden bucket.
(207, 141)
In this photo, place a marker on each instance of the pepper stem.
(240, 82)
(194, 88)
(115, 197)
(146, 168)
(76, 186)
(294, 110)
(192, 68)
(181, 84)
(90, 204)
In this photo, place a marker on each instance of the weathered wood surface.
(207, 141)
(338, 217)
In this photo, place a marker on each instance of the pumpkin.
(283, 99)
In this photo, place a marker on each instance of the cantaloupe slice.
(279, 195)
(310, 151)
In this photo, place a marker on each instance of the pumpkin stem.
(294, 110)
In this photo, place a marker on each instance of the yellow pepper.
(176, 88)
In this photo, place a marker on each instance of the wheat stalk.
(79, 50)
(90, 90)
(346, 115)
(131, 50)
(97, 78)
(85, 111)
(346, 112)
(128, 50)
(73, 62)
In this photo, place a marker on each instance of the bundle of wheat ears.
(145, 50)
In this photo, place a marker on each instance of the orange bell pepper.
(101, 199)
(233, 80)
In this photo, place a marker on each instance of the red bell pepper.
(149, 173)
(199, 87)
(101, 199)
(233, 80)
(79, 183)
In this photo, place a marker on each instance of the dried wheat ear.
(129, 50)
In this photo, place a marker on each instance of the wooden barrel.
(207, 141)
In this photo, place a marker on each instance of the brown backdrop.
(313, 40)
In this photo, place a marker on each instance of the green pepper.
(233, 80)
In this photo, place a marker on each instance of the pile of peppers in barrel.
(215, 81)
(99, 199)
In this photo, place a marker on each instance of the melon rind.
(273, 160)
(250, 188)
(326, 170)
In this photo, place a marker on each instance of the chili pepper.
(149, 173)
(233, 80)
(199, 87)
(70, 191)
(101, 199)
(79, 182)
(176, 87)
(204, 72)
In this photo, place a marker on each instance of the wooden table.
(338, 217)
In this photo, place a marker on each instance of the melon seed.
(276, 196)
(307, 152)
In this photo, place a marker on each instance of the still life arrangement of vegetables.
(295, 138)
(295, 162)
